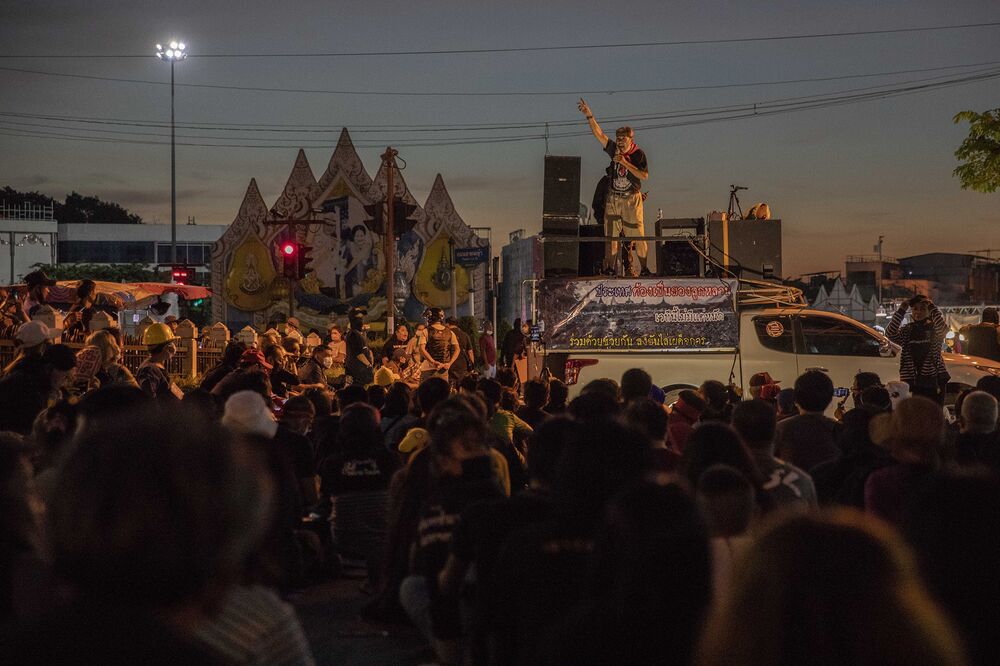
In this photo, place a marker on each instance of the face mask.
(327, 362)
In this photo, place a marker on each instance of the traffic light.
(289, 251)
(302, 263)
(401, 221)
(376, 217)
(181, 274)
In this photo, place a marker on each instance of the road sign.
(471, 256)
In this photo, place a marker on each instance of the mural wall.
(348, 264)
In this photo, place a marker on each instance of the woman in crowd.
(111, 370)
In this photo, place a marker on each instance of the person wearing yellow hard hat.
(152, 375)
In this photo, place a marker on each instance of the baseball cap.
(293, 321)
(253, 356)
(415, 439)
(762, 379)
(38, 278)
(35, 333)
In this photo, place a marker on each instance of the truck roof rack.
(768, 294)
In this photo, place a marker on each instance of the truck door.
(841, 348)
(770, 348)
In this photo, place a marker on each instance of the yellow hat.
(157, 334)
(384, 376)
(416, 439)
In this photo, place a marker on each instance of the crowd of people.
(506, 522)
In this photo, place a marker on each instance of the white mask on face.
(327, 362)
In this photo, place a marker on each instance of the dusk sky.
(838, 176)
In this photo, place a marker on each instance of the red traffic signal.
(181, 274)
(289, 253)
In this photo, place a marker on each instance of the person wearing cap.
(171, 321)
(359, 362)
(757, 383)
(32, 340)
(38, 292)
(623, 207)
(439, 348)
(152, 375)
(32, 381)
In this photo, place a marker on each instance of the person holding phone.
(920, 363)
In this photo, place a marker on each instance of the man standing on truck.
(623, 209)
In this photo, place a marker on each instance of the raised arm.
(893, 330)
(594, 127)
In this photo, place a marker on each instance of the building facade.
(28, 236)
(147, 244)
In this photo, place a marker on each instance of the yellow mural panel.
(432, 283)
(248, 283)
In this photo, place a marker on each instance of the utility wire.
(758, 110)
(525, 49)
(660, 115)
(509, 93)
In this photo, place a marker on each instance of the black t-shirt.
(537, 579)
(357, 471)
(621, 181)
(461, 364)
(357, 344)
(439, 517)
(394, 349)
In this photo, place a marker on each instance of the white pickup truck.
(778, 335)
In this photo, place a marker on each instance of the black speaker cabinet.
(678, 259)
(591, 253)
(560, 225)
(562, 259)
(753, 244)
(561, 191)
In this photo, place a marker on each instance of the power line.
(524, 49)
(761, 109)
(473, 127)
(510, 93)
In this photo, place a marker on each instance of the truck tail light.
(573, 366)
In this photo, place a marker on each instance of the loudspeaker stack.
(561, 215)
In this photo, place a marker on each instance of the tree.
(980, 151)
(102, 272)
(76, 209)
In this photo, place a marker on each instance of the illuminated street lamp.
(175, 51)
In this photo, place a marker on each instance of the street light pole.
(175, 51)
(173, 174)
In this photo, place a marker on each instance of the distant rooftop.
(870, 259)
(25, 211)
